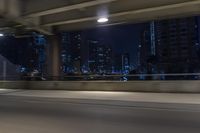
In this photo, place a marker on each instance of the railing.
(131, 77)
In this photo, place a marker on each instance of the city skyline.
(122, 39)
(149, 34)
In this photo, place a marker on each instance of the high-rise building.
(117, 63)
(152, 38)
(125, 63)
(121, 63)
(71, 52)
(75, 47)
(177, 44)
(100, 58)
(147, 49)
(170, 46)
(144, 48)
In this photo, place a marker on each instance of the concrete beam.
(11, 10)
(2, 6)
(69, 8)
(191, 7)
(32, 25)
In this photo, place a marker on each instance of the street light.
(102, 20)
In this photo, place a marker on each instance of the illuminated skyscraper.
(100, 58)
(152, 38)
(125, 63)
(71, 52)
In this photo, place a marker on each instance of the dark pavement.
(20, 114)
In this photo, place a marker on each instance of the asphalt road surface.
(52, 115)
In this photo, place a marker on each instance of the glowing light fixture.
(1, 34)
(102, 20)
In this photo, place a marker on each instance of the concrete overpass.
(51, 16)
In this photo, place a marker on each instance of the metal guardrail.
(131, 77)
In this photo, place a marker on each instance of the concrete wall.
(134, 86)
(14, 84)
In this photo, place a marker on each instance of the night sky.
(122, 38)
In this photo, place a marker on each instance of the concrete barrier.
(132, 86)
(14, 84)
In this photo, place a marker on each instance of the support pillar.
(53, 58)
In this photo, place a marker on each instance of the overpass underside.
(51, 16)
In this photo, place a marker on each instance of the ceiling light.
(102, 20)
(1, 34)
